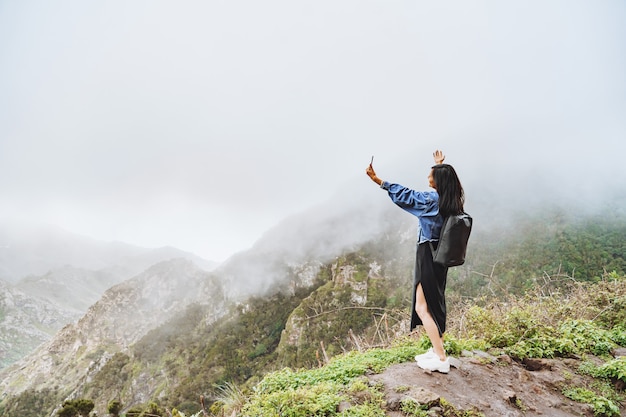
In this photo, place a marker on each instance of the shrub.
(114, 408)
(318, 400)
(587, 336)
(615, 369)
(410, 407)
(618, 334)
(601, 406)
(79, 407)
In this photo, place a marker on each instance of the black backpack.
(452, 245)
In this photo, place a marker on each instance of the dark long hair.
(450, 190)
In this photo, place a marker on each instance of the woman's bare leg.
(432, 331)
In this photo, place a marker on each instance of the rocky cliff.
(122, 316)
(50, 278)
(26, 322)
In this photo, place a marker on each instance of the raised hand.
(372, 174)
(439, 157)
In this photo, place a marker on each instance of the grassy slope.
(514, 329)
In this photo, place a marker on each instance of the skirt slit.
(433, 278)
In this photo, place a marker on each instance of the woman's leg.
(421, 308)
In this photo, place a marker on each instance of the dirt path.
(495, 387)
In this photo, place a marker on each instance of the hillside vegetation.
(585, 321)
(555, 290)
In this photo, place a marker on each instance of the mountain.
(124, 314)
(287, 260)
(51, 277)
(26, 322)
(314, 236)
(27, 250)
(69, 288)
(321, 283)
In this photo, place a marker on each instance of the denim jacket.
(422, 204)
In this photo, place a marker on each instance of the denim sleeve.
(415, 202)
(422, 204)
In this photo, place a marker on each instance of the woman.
(429, 283)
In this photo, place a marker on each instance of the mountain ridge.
(33, 306)
(107, 325)
(34, 250)
(359, 280)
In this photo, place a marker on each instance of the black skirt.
(433, 277)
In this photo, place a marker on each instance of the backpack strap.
(432, 249)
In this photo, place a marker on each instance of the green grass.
(538, 327)
(600, 405)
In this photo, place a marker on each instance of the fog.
(201, 125)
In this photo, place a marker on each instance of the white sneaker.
(428, 354)
(435, 364)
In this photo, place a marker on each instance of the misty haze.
(185, 217)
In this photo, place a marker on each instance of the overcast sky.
(201, 124)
